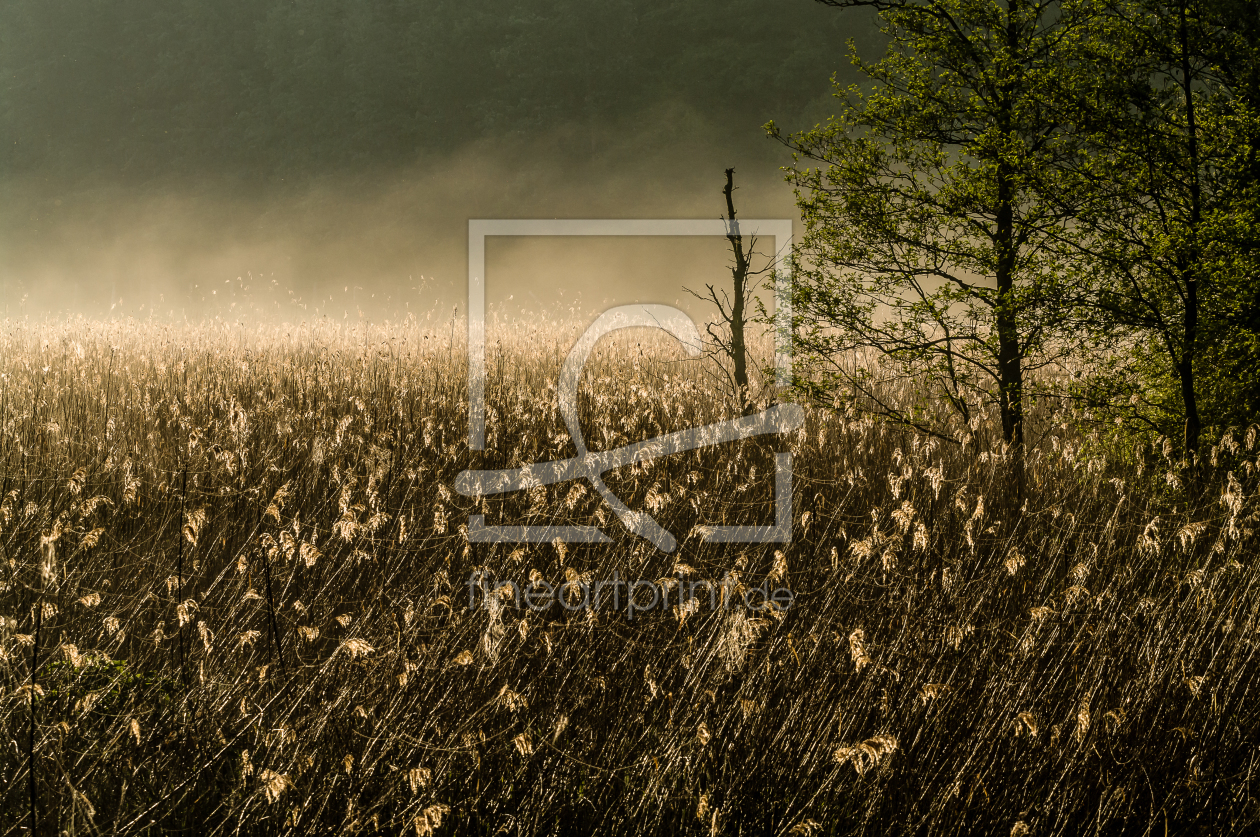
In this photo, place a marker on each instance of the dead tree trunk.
(739, 274)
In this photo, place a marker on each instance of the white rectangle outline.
(478, 229)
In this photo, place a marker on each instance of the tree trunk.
(1010, 353)
(1185, 365)
(1190, 322)
(739, 354)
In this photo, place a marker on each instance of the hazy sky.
(312, 165)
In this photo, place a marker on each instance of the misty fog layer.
(323, 159)
(378, 245)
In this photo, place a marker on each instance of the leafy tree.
(1171, 222)
(930, 242)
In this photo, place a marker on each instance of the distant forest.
(138, 90)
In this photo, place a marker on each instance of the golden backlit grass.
(233, 599)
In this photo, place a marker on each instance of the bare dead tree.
(728, 332)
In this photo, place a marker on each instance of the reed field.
(235, 599)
